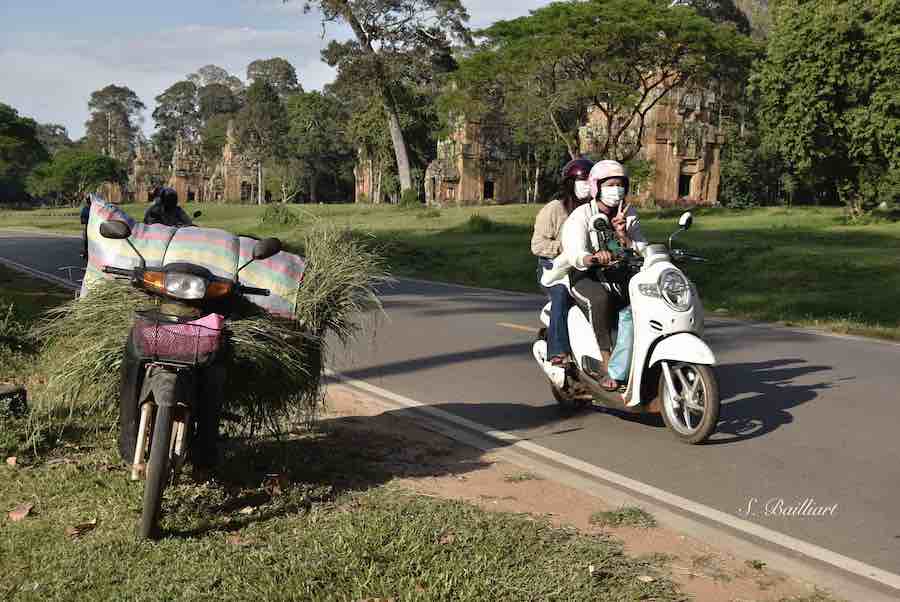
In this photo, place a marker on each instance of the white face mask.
(612, 195)
(582, 189)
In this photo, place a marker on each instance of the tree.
(278, 72)
(54, 137)
(829, 96)
(617, 57)
(113, 126)
(261, 126)
(720, 11)
(176, 115)
(385, 26)
(213, 74)
(20, 150)
(216, 99)
(74, 172)
(317, 138)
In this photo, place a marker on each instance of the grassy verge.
(311, 516)
(804, 266)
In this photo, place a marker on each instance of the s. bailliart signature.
(778, 506)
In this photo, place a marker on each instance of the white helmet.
(603, 170)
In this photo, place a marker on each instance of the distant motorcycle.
(176, 346)
(671, 366)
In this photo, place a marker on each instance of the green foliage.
(479, 224)
(20, 150)
(216, 99)
(278, 215)
(409, 199)
(629, 516)
(176, 115)
(277, 72)
(74, 172)
(829, 96)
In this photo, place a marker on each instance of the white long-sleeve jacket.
(576, 240)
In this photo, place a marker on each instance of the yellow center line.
(518, 327)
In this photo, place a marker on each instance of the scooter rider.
(165, 209)
(575, 190)
(601, 295)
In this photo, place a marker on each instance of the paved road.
(804, 415)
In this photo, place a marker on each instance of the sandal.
(560, 360)
(611, 384)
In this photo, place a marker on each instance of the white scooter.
(671, 366)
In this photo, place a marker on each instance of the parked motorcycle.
(177, 347)
(671, 365)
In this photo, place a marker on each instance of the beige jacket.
(545, 242)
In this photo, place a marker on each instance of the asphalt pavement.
(808, 420)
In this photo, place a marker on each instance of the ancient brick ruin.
(231, 179)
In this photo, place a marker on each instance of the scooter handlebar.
(252, 290)
(108, 269)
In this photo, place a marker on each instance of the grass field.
(802, 266)
(330, 526)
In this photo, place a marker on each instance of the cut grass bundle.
(278, 215)
(273, 365)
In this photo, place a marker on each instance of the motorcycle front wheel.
(689, 396)
(158, 472)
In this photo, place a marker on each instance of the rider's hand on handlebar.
(599, 258)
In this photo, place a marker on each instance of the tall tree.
(113, 125)
(20, 151)
(216, 99)
(176, 115)
(261, 126)
(617, 57)
(278, 72)
(317, 137)
(829, 96)
(385, 26)
(720, 11)
(54, 137)
(213, 74)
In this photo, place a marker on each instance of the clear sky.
(54, 53)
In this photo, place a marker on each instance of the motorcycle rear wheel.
(158, 472)
(692, 417)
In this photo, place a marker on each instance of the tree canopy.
(278, 72)
(830, 96)
(113, 126)
(74, 172)
(20, 150)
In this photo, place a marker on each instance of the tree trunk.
(390, 104)
(537, 182)
(259, 185)
(313, 189)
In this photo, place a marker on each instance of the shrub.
(478, 224)
(278, 215)
(410, 199)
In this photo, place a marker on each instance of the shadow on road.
(762, 394)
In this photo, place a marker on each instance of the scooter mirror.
(266, 248)
(686, 219)
(197, 214)
(115, 229)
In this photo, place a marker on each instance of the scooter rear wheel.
(691, 411)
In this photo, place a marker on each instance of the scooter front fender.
(683, 347)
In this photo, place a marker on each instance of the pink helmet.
(603, 170)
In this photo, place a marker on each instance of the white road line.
(15, 265)
(793, 544)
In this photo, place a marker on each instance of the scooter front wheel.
(158, 472)
(689, 395)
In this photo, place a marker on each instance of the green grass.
(802, 266)
(335, 529)
(628, 516)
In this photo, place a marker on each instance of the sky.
(54, 53)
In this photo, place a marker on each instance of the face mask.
(582, 189)
(612, 195)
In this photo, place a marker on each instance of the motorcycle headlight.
(185, 286)
(675, 289)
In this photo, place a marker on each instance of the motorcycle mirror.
(115, 230)
(686, 219)
(197, 214)
(265, 248)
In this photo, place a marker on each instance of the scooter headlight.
(676, 290)
(185, 286)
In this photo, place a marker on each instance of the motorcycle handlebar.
(108, 269)
(252, 290)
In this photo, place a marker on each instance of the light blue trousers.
(620, 360)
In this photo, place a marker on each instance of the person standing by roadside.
(575, 190)
(85, 217)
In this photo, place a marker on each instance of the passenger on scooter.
(165, 209)
(545, 244)
(604, 295)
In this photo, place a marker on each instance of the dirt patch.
(432, 464)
